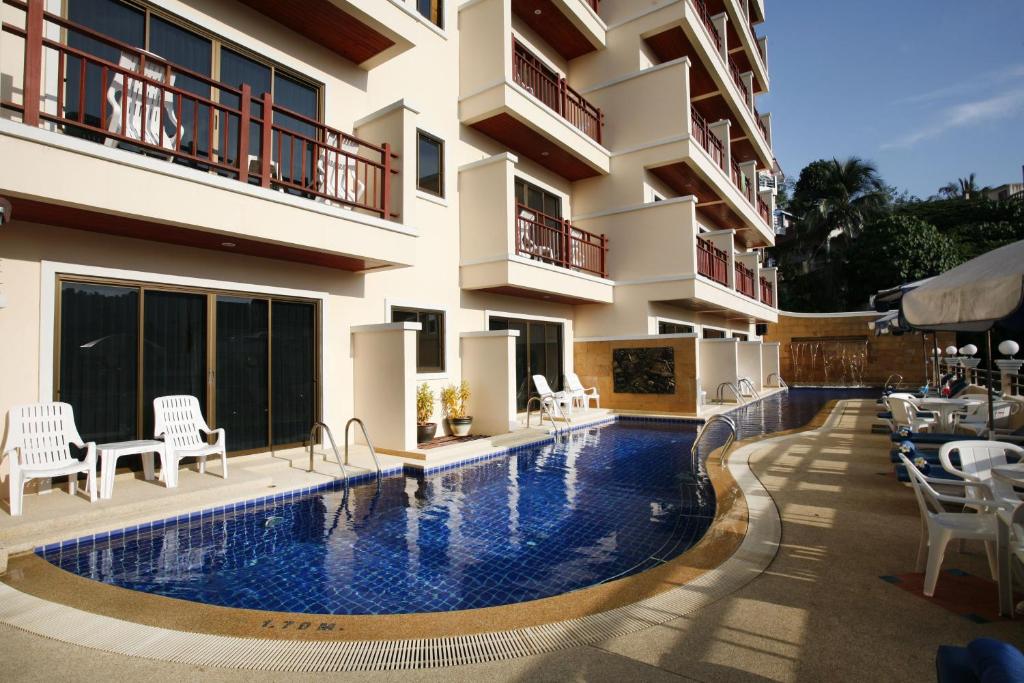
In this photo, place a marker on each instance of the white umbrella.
(972, 297)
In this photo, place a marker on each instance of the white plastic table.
(1012, 474)
(947, 407)
(110, 452)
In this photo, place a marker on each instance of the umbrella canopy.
(973, 296)
(889, 299)
(889, 322)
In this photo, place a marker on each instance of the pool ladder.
(729, 441)
(334, 446)
(891, 385)
(745, 382)
(782, 382)
(720, 393)
(542, 409)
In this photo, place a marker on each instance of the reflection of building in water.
(839, 361)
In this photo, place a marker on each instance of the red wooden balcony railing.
(744, 280)
(712, 262)
(760, 124)
(147, 104)
(557, 241)
(764, 210)
(738, 80)
(531, 73)
(767, 295)
(736, 174)
(705, 16)
(706, 139)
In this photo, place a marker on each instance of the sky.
(929, 90)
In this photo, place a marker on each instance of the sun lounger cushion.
(995, 661)
(953, 665)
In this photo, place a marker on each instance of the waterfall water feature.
(829, 362)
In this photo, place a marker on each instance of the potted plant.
(425, 429)
(454, 400)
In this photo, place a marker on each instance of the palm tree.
(851, 193)
(963, 188)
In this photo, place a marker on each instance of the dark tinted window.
(430, 165)
(429, 340)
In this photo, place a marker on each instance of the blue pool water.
(602, 503)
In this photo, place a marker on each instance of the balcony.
(161, 131)
(745, 280)
(516, 97)
(513, 249)
(529, 72)
(712, 263)
(571, 27)
(767, 292)
(661, 252)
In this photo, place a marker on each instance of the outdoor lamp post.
(1009, 368)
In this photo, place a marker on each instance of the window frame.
(442, 332)
(216, 43)
(438, 7)
(420, 135)
(704, 329)
(665, 321)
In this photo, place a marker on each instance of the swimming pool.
(599, 504)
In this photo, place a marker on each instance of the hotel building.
(299, 211)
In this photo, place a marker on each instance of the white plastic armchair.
(129, 106)
(581, 396)
(974, 419)
(977, 458)
(38, 439)
(179, 421)
(939, 527)
(551, 399)
(336, 172)
(904, 414)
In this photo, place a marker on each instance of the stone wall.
(827, 348)
(593, 363)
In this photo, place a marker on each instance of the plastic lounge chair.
(939, 527)
(551, 400)
(581, 396)
(178, 421)
(38, 437)
(974, 419)
(527, 232)
(336, 172)
(129, 107)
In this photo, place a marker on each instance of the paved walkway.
(820, 612)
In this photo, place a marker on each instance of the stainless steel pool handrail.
(542, 409)
(720, 393)
(745, 381)
(729, 441)
(782, 382)
(334, 447)
(889, 384)
(366, 436)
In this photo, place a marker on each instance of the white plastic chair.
(581, 396)
(974, 419)
(904, 414)
(127, 103)
(38, 437)
(179, 421)
(977, 458)
(939, 527)
(528, 227)
(336, 173)
(550, 399)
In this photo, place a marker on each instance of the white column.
(721, 22)
(489, 365)
(384, 383)
(1007, 368)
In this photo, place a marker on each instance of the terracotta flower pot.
(460, 425)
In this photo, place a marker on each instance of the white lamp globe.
(950, 350)
(970, 349)
(1009, 348)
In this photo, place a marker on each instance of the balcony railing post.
(385, 200)
(34, 20)
(267, 144)
(244, 124)
(563, 98)
(566, 244)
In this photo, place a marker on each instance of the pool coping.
(754, 526)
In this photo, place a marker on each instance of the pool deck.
(819, 611)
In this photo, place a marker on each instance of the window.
(711, 333)
(674, 328)
(530, 196)
(120, 345)
(429, 340)
(430, 165)
(433, 10)
(741, 337)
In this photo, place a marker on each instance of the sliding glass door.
(252, 361)
(539, 351)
